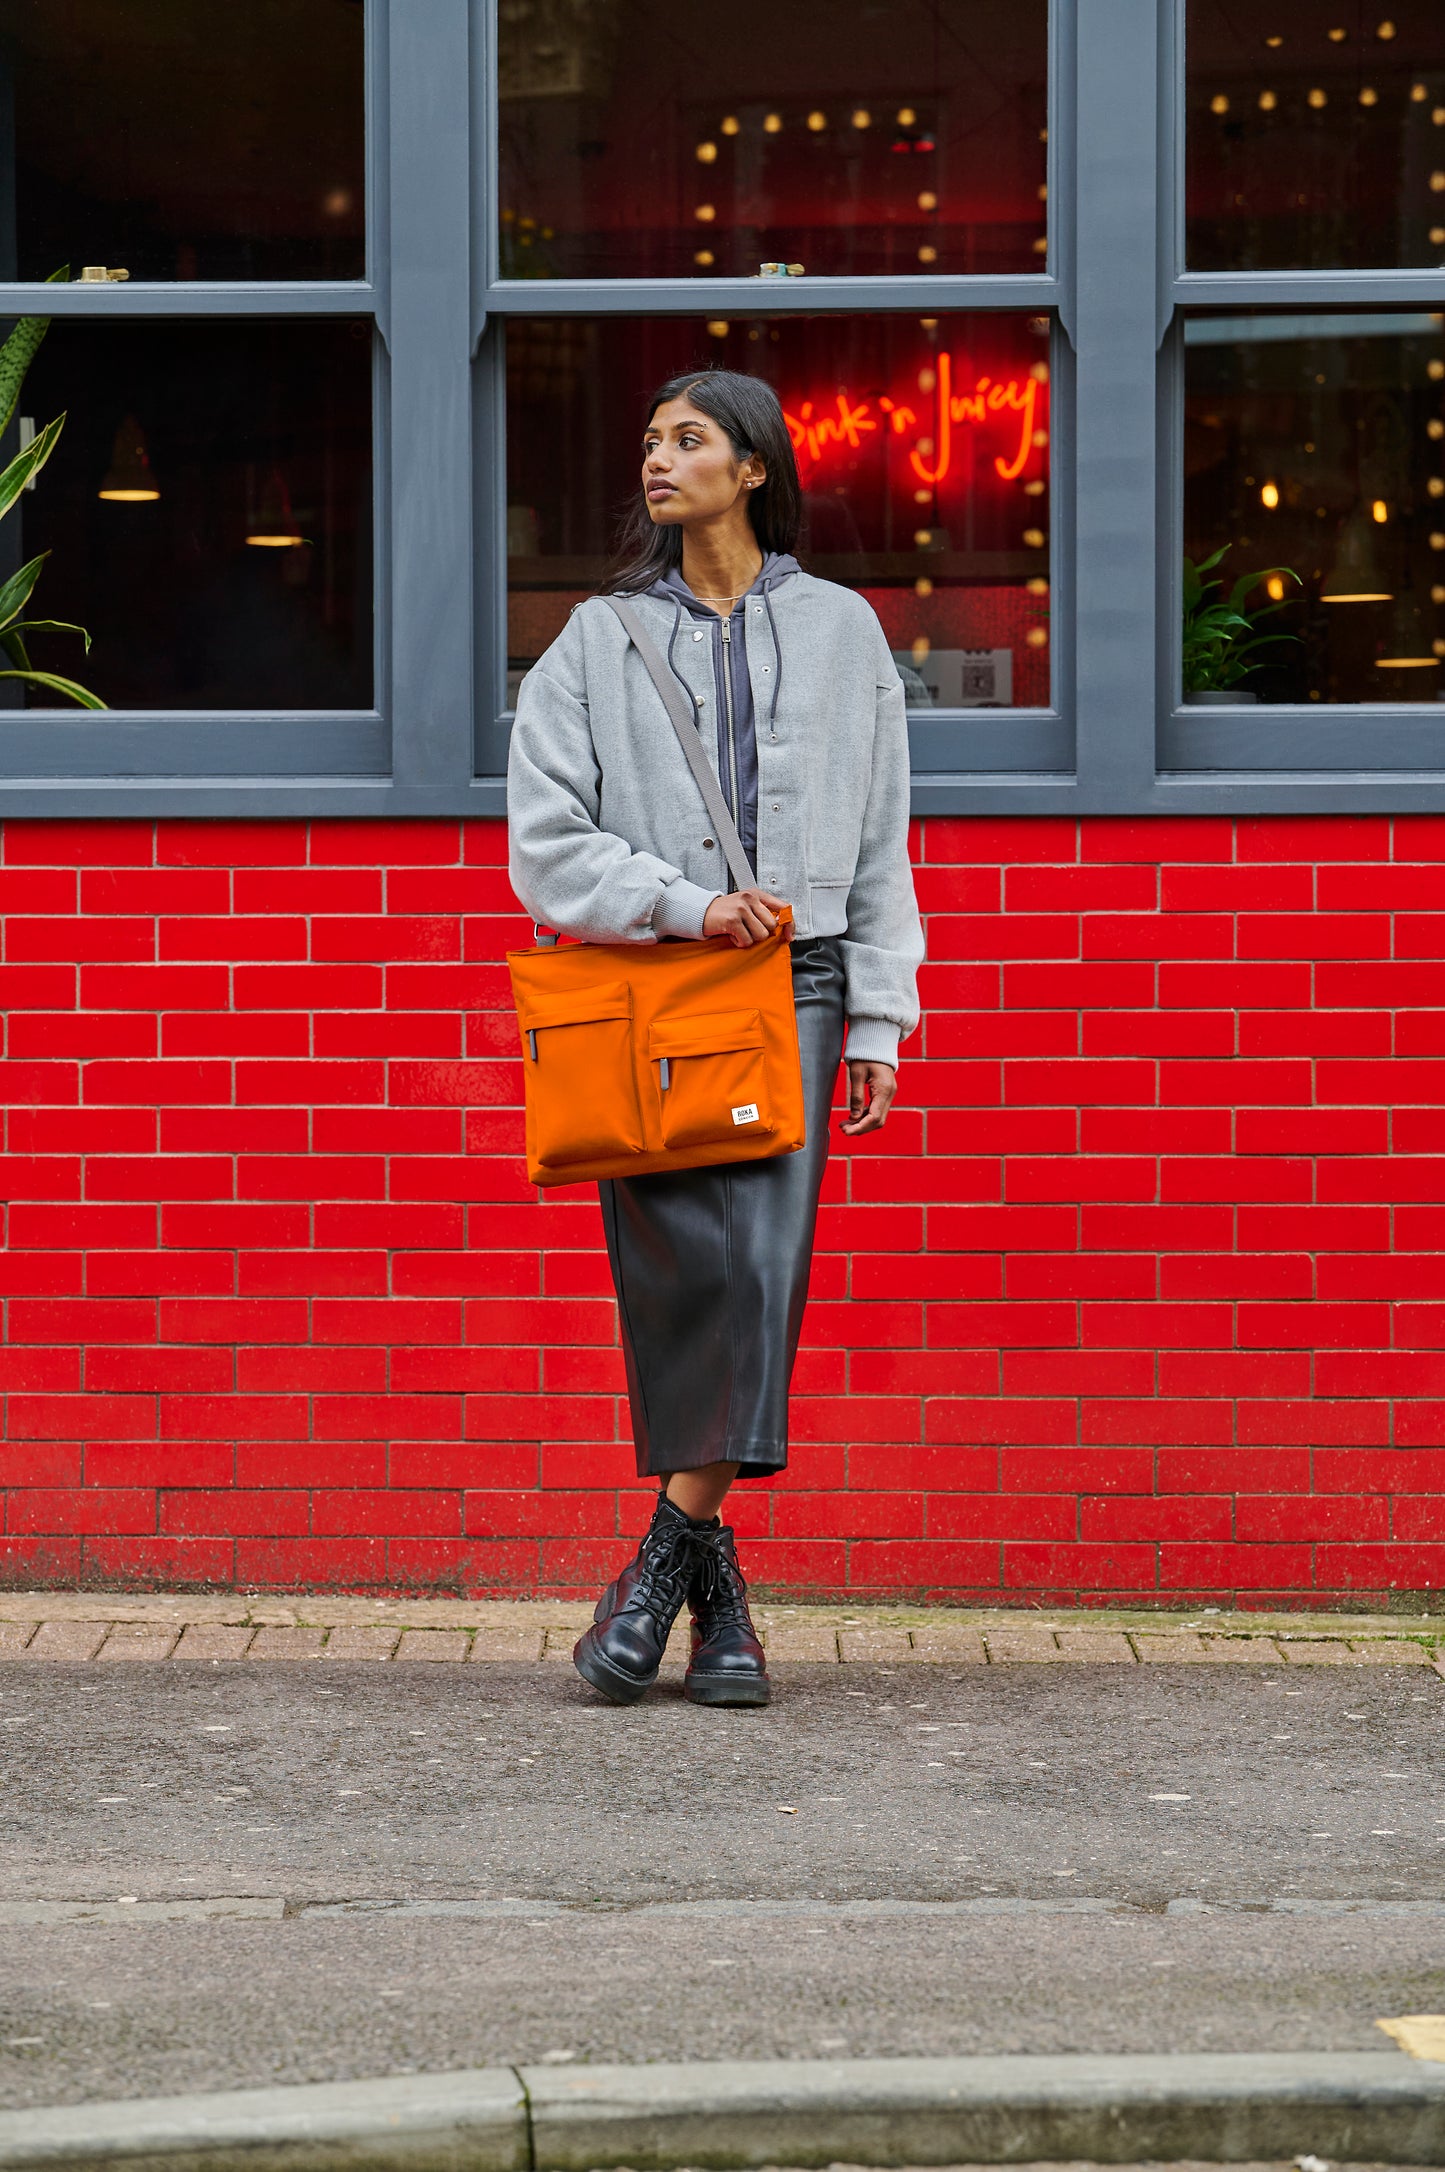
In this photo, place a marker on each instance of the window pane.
(179, 139)
(225, 434)
(648, 138)
(1316, 134)
(923, 446)
(1318, 444)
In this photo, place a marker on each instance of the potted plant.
(1222, 641)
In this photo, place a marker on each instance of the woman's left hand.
(871, 1087)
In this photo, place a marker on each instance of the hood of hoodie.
(777, 566)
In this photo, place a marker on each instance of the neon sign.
(933, 432)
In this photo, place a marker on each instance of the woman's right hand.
(746, 917)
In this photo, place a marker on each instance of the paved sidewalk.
(82, 1626)
(232, 1875)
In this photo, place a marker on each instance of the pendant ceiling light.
(1356, 576)
(128, 479)
(1406, 643)
(272, 526)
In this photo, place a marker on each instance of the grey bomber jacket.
(609, 838)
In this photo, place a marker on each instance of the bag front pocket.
(711, 1076)
(581, 1087)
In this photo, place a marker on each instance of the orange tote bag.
(640, 1058)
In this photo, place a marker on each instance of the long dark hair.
(751, 414)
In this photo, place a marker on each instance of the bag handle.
(685, 725)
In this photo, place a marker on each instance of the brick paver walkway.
(72, 1626)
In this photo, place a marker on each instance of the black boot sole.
(594, 1668)
(727, 1689)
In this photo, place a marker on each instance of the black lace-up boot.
(727, 1664)
(622, 1651)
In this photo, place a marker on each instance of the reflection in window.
(1316, 134)
(1318, 443)
(923, 447)
(179, 139)
(642, 138)
(207, 510)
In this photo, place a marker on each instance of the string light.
(1317, 98)
(1437, 182)
(1034, 537)
(729, 124)
(1274, 588)
(1219, 103)
(1267, 101)
(817, 121)
(718, 326)
(1369, 96)
(1037, 586)
(1037, 637)
(705, 212)
(704, 257)
(1419, 92)
(1435, 370)
(927, 201)
(1274, 43)
(927, 253)
(1385, 30)
(1337, 37)
(1380, 512)
(862, 118)
(772, 123)
(706, 153)
(1269, 496)
(906, 116)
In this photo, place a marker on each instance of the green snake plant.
(16, 356)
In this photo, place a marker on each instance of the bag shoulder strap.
(685, 725)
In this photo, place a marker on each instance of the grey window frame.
(1115, 740)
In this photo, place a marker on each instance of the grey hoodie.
(609, 837)
(737, 742)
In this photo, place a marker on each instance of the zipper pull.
(727, 630)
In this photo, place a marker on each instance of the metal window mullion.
(763, 297)
(191, 298)
(428, 532)
(1116, 329)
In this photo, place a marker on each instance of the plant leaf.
(50, 625)
(80, 694)
(28, 463)
(18, 353)
(16, 591)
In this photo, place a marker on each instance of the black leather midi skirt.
(711, 1271)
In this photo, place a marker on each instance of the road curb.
(1221, 2107)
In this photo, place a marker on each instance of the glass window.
(923, 448)
(206, 511)
(178, 139)
(1316, 134)
(1317, 444)
(645, 139)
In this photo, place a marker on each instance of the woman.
(796, 694)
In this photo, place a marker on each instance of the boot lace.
(719, 1586)
(666, 1568)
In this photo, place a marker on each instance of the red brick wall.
(1142, 1294)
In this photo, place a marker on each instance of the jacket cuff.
(872, 1040)
(681, 908)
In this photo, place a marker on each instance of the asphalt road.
(449, 1866)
